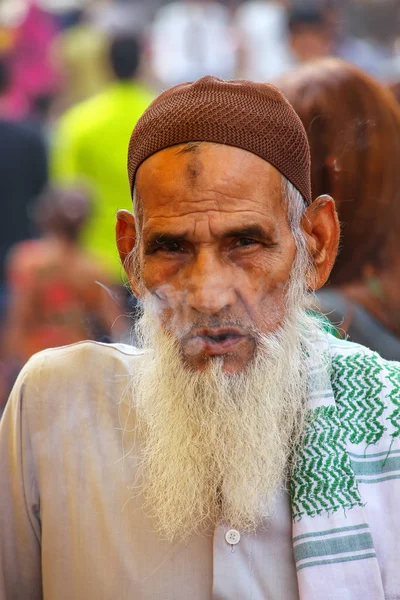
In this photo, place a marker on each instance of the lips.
(214, 341)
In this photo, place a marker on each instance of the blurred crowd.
(76, 75)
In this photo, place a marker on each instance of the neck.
(60, 238)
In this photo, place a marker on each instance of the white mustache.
(183, 323)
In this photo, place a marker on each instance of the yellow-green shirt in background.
(90, 144)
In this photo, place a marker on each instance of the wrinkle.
(214, 210)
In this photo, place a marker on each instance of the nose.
(210, 285)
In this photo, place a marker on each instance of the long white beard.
(216, 447)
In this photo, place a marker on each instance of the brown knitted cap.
(252, 116)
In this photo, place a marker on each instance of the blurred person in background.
(192, 38)
(33, 72)
(320, 29)
(309, 34)
(122, 16)
(395, 89)
(42, 116)
(377, 22)
(353, 126)
(263, 42)
(57, 293)
(90, 144)
(80, 52)
(367, 55)
(23, 175)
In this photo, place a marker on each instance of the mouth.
(214, 341)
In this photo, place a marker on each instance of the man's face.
(212, 253)
(216, 249)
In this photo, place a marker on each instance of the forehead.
(212, 178)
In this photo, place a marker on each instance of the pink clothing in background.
(31, 69)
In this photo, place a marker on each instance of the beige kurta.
(70, 527)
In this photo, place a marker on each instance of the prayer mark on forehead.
(194, 168)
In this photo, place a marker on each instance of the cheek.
(267, 276)
(267, 306)
(157, 271)
(156, 276)
(264, 289)
(159, 281)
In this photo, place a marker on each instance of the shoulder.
(356, 359)
(22, 133)
(80, 117)
(84, 355)
(22, 262)
(22, 254)
(141, 94)
(68, 401)
(75, 374)
(341, 349)
(366, 388)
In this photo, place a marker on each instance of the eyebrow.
(159, 238)
(256, 231)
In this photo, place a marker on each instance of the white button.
(232, 537)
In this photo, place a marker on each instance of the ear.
(126, 238)
(321, 230)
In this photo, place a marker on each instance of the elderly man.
(242, 452)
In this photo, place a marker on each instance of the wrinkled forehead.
(206, 176)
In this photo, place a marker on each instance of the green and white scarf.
(345, 490)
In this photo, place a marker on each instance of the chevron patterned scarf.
(345, 488)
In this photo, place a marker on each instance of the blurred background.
(75, 76)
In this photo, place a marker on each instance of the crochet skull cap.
(253, 116)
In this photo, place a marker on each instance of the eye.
(166, 246)
(171, 247)
(244, 242)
